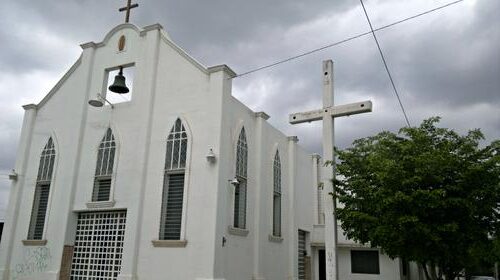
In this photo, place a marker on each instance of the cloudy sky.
(446, 63)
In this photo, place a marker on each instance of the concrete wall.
(168, 84)
(182, 91)
(257, 255)
(389, 269)
(42, 262)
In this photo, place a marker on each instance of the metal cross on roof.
(127, 8)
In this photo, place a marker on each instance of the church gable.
(61, 82)
(148, 53)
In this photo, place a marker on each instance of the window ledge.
(276, 239)
(237, 231)
(32, 242)
(169, 243)
(100, 204)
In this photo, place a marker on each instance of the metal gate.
(98, 245)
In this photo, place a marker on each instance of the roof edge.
(140, 31)
(168, 41)
(262, 115)
(60, 82)
(222, 67)
(151, 27)
(29, 106)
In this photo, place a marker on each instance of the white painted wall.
(389, 269)
(168, 84)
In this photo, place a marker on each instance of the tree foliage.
(425, 194)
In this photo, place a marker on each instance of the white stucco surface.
(168, 84)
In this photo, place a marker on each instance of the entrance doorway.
(98, 246)
(322, 264)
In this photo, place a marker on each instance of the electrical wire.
(345, 40)
(385, 65)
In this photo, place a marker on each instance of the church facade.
(181, 181)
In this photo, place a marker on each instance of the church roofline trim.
(117, 28)
(29, 106)
(294, 139)
(142, 32)
(222, 67)
(60, 82)
(152, 27)
(166, 39)
(262, 115)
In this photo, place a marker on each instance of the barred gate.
(98, 246)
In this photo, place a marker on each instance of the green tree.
(425, 194)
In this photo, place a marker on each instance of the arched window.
(173, 183)
(42, 190)
(277, 195)
(240, 191)
(104, 167)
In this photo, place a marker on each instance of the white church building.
(179, 181)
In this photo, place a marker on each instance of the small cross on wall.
(127, 8)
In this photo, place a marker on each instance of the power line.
(346, 40)
(385, 65)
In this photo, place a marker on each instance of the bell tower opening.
(119, 82)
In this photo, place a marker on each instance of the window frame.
(110, 202)
(241, 174)
(365, 272)
(277, 193)
(161, 232)
(242, 184)
(181, 242)
(39, 182)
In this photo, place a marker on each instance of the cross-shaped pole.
(328, 114)
(127, 8)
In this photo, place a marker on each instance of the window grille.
(104, 167)
(42, 191)
(366, 262)
(173, 183)
(302, 255)
(102, 188)
(171, 213)
(277, 195)
(98, 245)
(240, 191)
(240, 204)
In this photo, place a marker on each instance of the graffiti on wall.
(34, 260)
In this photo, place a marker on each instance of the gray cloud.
(446, 63)
(4, 192)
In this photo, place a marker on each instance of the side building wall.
(254, 253)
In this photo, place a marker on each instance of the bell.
(119, 85)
